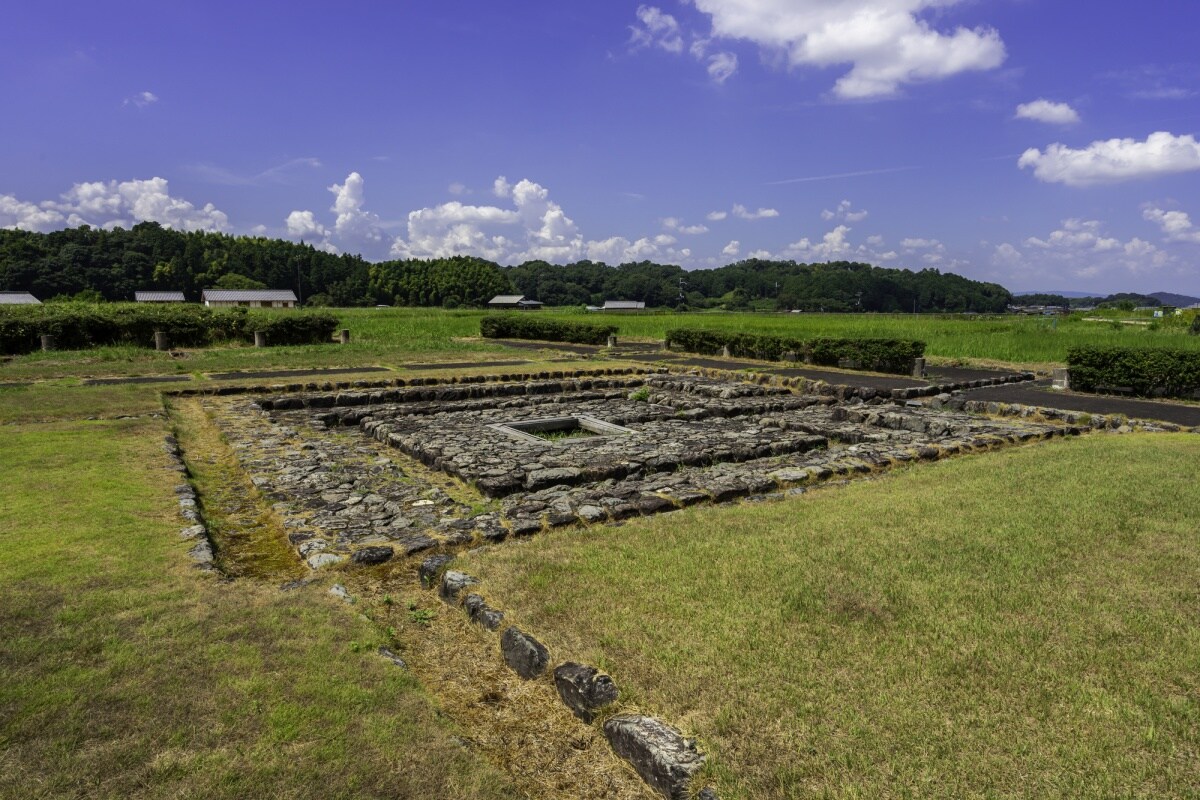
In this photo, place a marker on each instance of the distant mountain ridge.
(1171, 299)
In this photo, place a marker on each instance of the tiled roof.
(623, 304)
(159, 297)
(18, 299)
(506, 299)
(249, 295)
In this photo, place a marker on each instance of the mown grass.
(129, 675)
(1015, 624)
(390, 336)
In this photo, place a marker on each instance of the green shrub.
(1147, 372)
(528, 326)
(879, 355)
(77, 326)
(1195, 328)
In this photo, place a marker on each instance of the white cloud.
(741, 212)
(302, 224)
(458, 189)
(141, 99)
(920, 244)
(501, 187)
(717, 216)
(844, 212)
(722, 66)
(1176, 225)
(1079, 249)
(833, 246)
(23, 216)
(657, 28)
(1043, 110)
(353, 223)
(884, 41)
(732, 249)
(1114, 160)
(676, 224)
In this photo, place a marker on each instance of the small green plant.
(420, 616)
(642, 395)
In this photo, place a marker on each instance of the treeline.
(1122, 300)
(113, 264)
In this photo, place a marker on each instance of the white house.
(250, 298)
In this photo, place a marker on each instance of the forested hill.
(113, 264)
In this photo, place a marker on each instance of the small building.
(1166, 311)
(514, 301)
(623, 305)
(158, 297)
(18, 299)
(249, 298)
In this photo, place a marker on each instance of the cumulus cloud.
(833, 246)
(844, 212)
(1176, 226)
(501, 187)
(741, 212)
(885, 41)
(732, 249)
(1114, 160)
(141, 99)
(656, 27)
(717, 216)
(303, 225)
(1043, 110)
(1079, 249)
(112, 204)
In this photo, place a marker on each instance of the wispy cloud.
(835, 176)
(141, 99)
(280, 173)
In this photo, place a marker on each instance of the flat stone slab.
(290, 373)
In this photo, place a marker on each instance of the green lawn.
(391, 336)
(1014, 624)
(127, 674)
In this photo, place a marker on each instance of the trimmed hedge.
(1145, 372)
(877, 355)
(528, 326)
(77, 326)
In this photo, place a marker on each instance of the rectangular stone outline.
(597, 426)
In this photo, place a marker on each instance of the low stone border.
(1085, 419)
(658, 752)
(202, 549)
(399, 383)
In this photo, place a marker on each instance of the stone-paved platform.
(418, 468)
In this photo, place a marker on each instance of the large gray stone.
(584, 689)
(453, 584)
(431, 568)
(369, 556)
(482, 614)
(525, 655)
(658, 752)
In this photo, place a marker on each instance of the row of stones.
(659, 753)
(326, 387)
(201, 551)
(1088, 420)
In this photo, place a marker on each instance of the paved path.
(1039, 393)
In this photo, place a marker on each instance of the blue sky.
(1042, 145)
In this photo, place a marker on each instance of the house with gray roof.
(249, 298)
(18, 299)
(517, 301)
(623, 305)
(158, 297)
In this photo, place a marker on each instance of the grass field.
(129, 675)
(1016, 624)
(1010, 624)
(390, 336)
